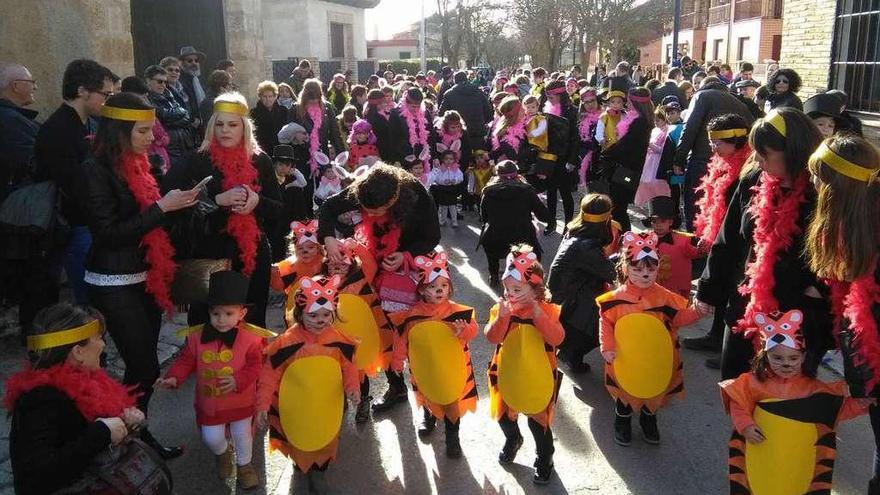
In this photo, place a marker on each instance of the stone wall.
(46, 35)
(807, 30)
(244, 45)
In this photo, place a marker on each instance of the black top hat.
(822, 105)
(283, 152)
(227, 287)
(661, 207)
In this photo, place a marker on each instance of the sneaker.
(390, 398)
(648, 422)
(623, 430)
(705, 343)
(543, 472)
(427, 426)
(225, 463)
(247, 476)
(713, 363)
(511, 447)
(362, 415)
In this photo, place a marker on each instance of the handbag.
(398, 287)
(30, 206)
(132, 468)
(191, 279)
(625, 177)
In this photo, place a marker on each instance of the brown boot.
(247, 476)
(225, 462)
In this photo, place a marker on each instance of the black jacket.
(707, 103)
(787, 99)
(398, 129)
(382, 130)
(577, 276)
(329, 132)
(506, 212)
(267, 123)
(420, 231)
(18, 131)
(756, 112)
(177, 120)
(60, 149)
(629, 152)
(51, 444)
(669, 88)
(472, 104)
(116, 222)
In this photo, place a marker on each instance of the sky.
(393, 16)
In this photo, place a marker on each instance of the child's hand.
(132, 417)
(354, 398)
(459, 326)
(609, 356)
(166, 383)
(262, 420)
(504, 309)
(227, 384)
(753, 434)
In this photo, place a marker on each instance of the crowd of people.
(163, 192)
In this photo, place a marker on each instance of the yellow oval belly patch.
(784, 462)
(357, 322)
(643, 366)
(525, 377)
(437, 362)
(310, 400)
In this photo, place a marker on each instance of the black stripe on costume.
(610, 381)
(735, 469)
(493, 379)
(346, 349)
(823, 478)
(668, 311)
(821, 408)
(737, 489)
(411, 319)
(829, 463)
(273, 433)
(828, 440)
(352, 279)
(273, 411)
(522, 321)
(471, 393)
(466, 315)
(366, 290)
(284, 354)
(289, 279)
(605, 306)
(677, 389)
(548, 347)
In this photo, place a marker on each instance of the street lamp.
(422, 41)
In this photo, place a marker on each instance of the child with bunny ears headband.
(334, 175)
(306, 257)
(433, 335)
(445, 184)
(638, 335)
(779, 385)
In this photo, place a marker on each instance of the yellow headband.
(231, 107)
(775, 119)
(615, 93)
(728, 133)
(599, 218)
(843, 166)
(128, 114)
(63, 337)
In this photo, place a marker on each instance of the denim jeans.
(74, 261)
(696, 169)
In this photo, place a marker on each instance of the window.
(404, 55)
(742, 48)
(337, 40)
(716, 49)
(776, 46)
(856, 54)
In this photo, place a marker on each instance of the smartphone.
(203, 182)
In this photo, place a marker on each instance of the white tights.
(214, 437)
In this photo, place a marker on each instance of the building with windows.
(393, 49)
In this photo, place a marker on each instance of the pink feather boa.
(624, 123)
(588, 123)
(776, 214)
(448, 138)
(416, 125)
(316, 113)
(552, 109)
(513, 135)
(853, 301)
(712, 204)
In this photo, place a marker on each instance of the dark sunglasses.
(784, 81)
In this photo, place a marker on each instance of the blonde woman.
(245, 196)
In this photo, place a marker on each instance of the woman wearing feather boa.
(411, 127)
(589, 117)
(757, 260)
(842, 247)
(130, 265)
(242, 187)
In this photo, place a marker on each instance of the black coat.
(60, 149)
(506, 212)
(51, 443)
(329, 133)
(669, 88)
(629, 152)
(267, 123)
(177, 121)
(382, 130)
(398, 130)
(18, 131)
(707, 103)
(787, 99)
(472, 104)
(420, 231)
(577, 276)
(116, 222)
(293, 208)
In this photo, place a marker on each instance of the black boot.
(874, 487)
(362, 415)
(429, 422)
(543, 471)
(166, 453)
(396, 394)
(623, 430)
(513, 442)
(648, 422)
(453, 445)
(708, 342)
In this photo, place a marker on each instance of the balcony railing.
(748, 9)
(687, 21)
(719, 14)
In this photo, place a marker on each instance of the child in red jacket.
(677, 249)
(226, 355)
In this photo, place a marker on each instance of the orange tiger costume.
(287, 273)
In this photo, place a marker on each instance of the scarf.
(513, 136)
(624, 123)
(416, 125)
(94, 392)
(135, 171)
(380, 234)
(853, 301)
(712, 204)
(586, 128)
(237, 170)
(316, 114)
(776, 213)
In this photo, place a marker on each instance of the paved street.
(386, 456)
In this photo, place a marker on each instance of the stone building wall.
(244, 45)
(807, 30)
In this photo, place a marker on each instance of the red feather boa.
(238, 170)
(854, 301)
(379, 245)
(135, 171)
(95, 393)
(712, 204)
(776, 214)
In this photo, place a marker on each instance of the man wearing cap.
(191, 61)
(473, 106)
(447, 74)
(745, 92)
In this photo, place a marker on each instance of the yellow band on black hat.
(128, 114)
(231, 107)
(775, 119)
(728, 133)
(63, 337)
(843, 166)
(596, 218)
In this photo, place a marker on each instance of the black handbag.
(625, 177)
(132, 468)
